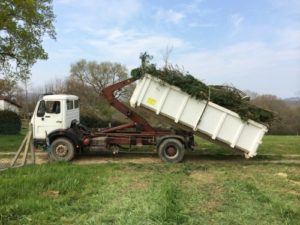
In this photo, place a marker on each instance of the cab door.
(48, 118)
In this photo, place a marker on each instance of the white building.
(7, 104)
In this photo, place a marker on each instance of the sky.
(253, 45)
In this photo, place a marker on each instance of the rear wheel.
(62, 149)
(171, 150)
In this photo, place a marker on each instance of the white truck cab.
(54, 112)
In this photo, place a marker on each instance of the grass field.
(272, 144)
(228, 191)
(10, 143)
(280, 145)
(186, 193)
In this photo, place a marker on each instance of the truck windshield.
(48, 107)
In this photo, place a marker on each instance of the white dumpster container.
(202, 116)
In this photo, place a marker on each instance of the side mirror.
(40, 113)
(42, 109)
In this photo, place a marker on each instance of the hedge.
(95, 122)
(10, 122)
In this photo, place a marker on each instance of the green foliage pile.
(10, 122)
(186, 83)
(228, 97)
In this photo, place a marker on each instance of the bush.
(10, 122)
(95, 122)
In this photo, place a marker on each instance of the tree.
(98, 75)
(145, 60)
(251, 94)
(286, 116)
(8, 88)
(87, 81)
(56, 86)
(297, 121)
(92, 106)
(23, 24)
(166, 55)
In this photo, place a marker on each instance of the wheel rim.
(61, 150)
(171, 151)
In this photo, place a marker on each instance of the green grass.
(186, 193)
(280, 145)
(272, 144)
(11, 143)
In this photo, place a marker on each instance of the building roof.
(10, 101)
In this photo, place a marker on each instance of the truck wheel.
(171, 150)
(62, 149)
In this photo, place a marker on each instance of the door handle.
(47, 116)
(58, 121)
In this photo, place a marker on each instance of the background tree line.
(88, 78)
(287, 113)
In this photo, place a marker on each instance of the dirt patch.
(284, 175)
(202, 177)
(51, 194)
(214, 205)
(85, 160)
(138, 185)
(294, 193)
(286, 191)
(41, 158)
(295, 182)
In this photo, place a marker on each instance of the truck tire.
(62, 149)
(171, 150)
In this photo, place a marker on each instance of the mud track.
(152, 158)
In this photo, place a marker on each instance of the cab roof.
(59, 97)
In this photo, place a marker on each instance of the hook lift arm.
(108, 94)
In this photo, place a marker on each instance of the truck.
(56, 123)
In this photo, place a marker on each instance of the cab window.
(76, 104)
(70, 104)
